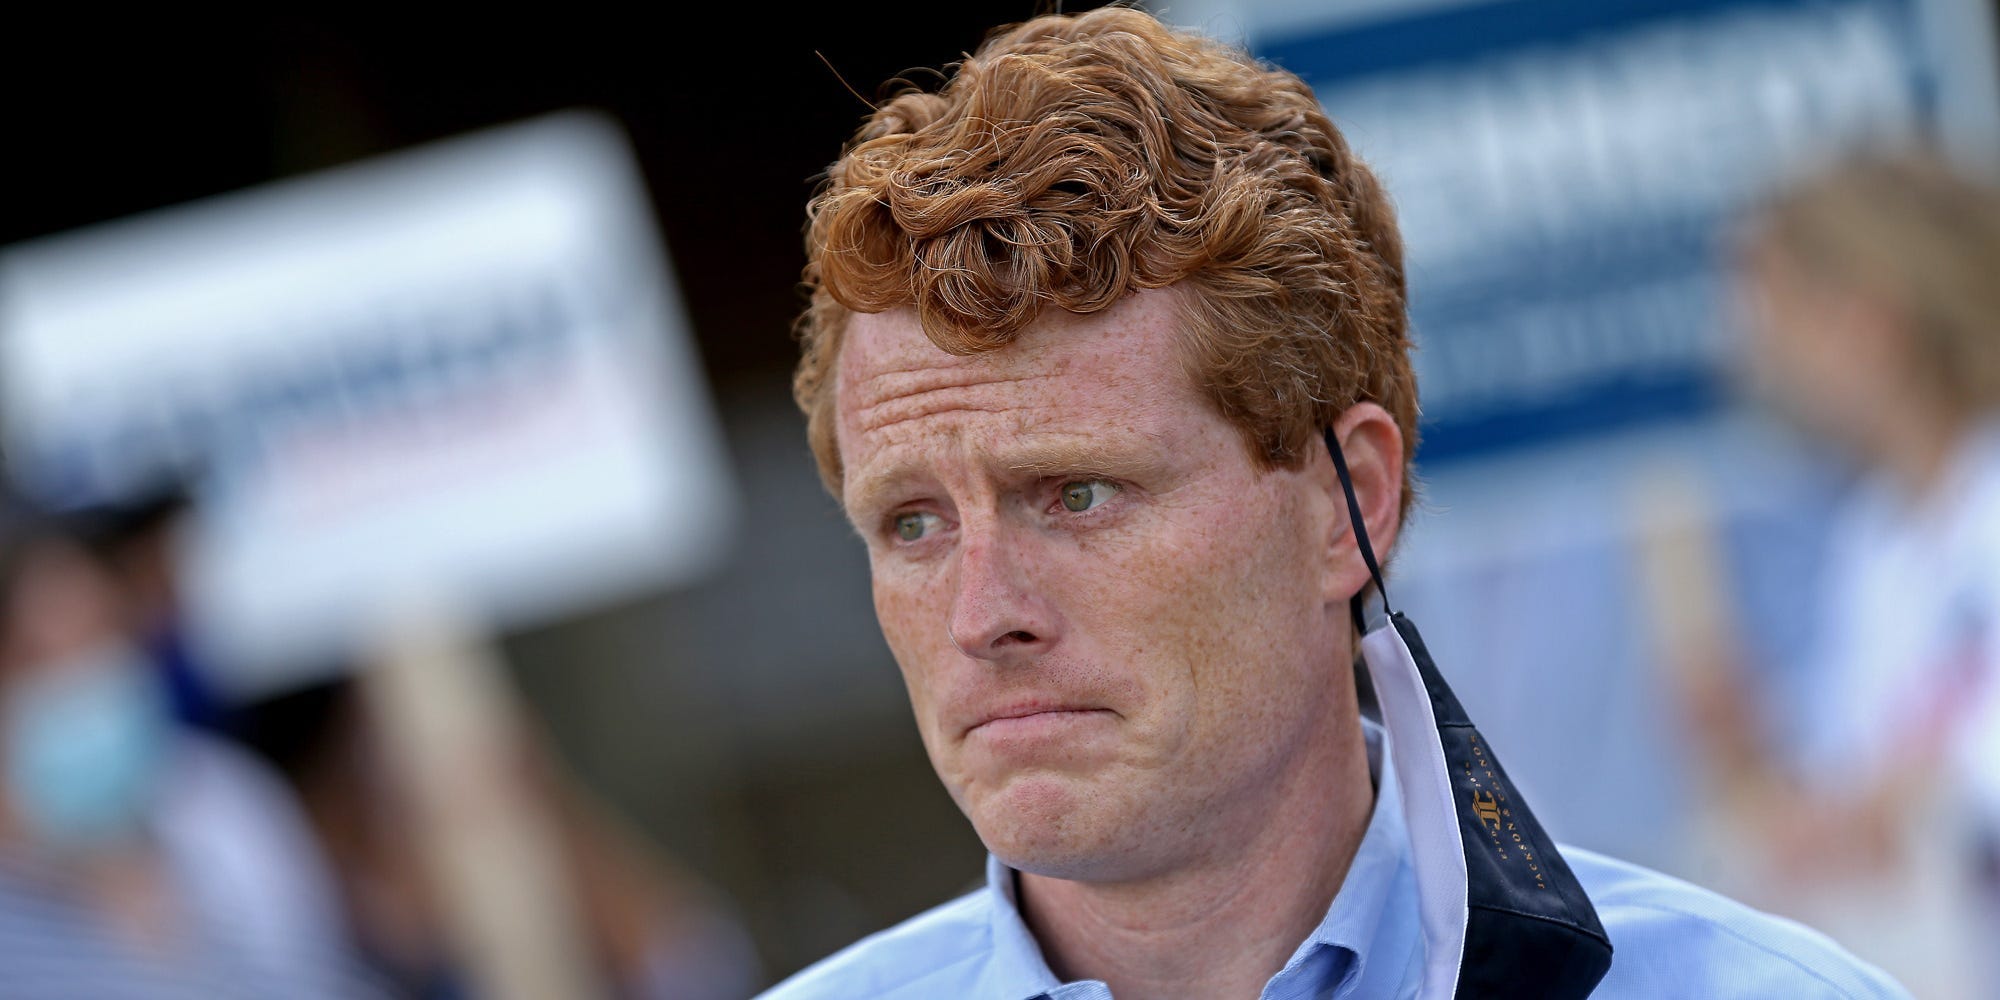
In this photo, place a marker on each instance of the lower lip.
(1039, 726)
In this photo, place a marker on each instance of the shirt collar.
(1016, 970)
(1366, 925)
(1364, 933)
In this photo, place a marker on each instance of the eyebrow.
(868, 496)
(1088, 455)
(1083, 456)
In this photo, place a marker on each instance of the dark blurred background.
(754, 727)
(731, 121)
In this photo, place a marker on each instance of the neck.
(1222, 927)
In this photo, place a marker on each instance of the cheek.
(912, 615)
(1213, 604)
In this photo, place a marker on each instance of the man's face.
(1118, 633)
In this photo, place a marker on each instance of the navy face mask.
(1502, 915)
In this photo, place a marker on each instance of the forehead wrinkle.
(896, 404)
(891, 376)
(913, 363)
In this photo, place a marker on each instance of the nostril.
(1020, 636)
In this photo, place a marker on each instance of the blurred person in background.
(140, 541)
(138, 858)
(653, 930)
(1872, 804)
(656, 931)
(1091, 330)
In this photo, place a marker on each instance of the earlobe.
(1372, 445)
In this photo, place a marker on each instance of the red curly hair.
(1073, 159)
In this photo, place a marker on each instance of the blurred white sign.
(459, 373)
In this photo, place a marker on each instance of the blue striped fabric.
(248, 913)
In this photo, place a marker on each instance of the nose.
(996, 614)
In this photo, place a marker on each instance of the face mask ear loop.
(1360, 526)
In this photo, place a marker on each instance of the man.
(1080, 324)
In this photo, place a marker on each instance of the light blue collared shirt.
(1670, 939)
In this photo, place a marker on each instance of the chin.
(1052, 825)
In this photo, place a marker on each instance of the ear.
(1372, 444)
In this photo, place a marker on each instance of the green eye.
(914, 524)
(1084, 494)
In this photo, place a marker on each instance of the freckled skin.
(1195, 608)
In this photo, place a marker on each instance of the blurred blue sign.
(1567, 173)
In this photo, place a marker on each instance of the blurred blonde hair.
(1919, 236)
(1073, 159)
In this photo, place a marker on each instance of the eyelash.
(1059, 509)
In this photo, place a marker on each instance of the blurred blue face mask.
(83, 740)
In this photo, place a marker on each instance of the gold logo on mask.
(1496, 817)
(1487, 808)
